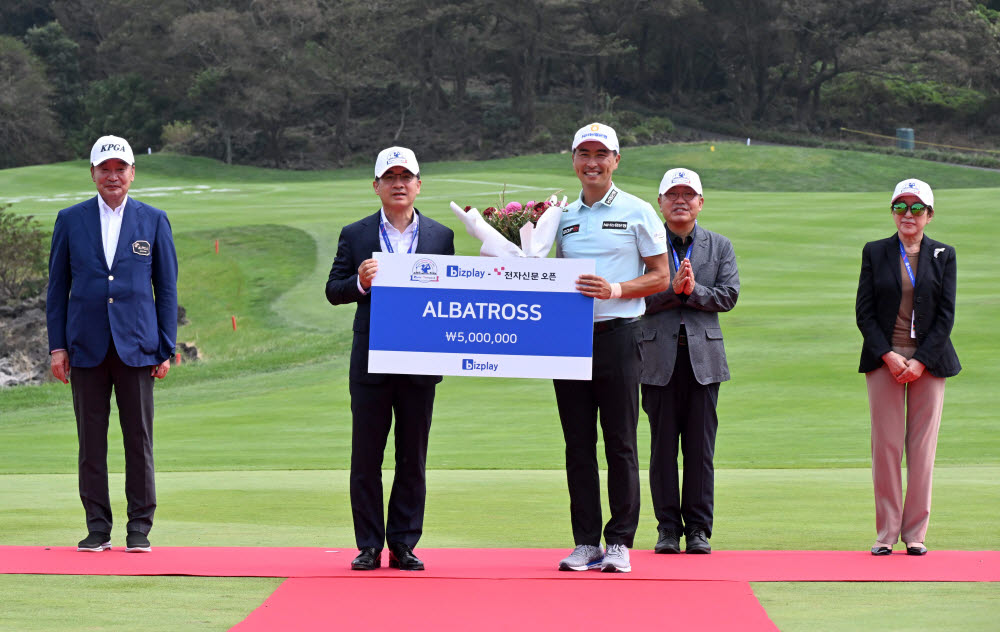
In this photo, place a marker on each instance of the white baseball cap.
(915, 187)
(108, 147)
(396, 157)
(680, 177)
(597, 132)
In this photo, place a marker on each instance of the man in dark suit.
(112, 323)
(375, 397)
(683, 362)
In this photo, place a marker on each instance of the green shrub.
(23, 256)
(627, 119)
(659, 125)
(499, 120)
(643, 134)
(177, 134)
(541, 139)
(561, 120)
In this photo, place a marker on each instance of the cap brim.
(919, 197)
(681, 184)
(595, 140)
(122, 158)
(382, 173)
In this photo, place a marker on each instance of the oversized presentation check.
(480, 316)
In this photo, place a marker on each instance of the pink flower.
(513, 207)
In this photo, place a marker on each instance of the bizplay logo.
(455, 271)
(468, 364)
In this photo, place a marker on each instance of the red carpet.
(488, 605)
(508, 564)
(507, 589)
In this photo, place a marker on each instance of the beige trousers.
(903, 415)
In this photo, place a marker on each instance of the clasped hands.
(903, 370)
(683, 282)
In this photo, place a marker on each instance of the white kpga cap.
(680, 177)
(915, 187)
(108, 147)
(396, 157)
(599, 133)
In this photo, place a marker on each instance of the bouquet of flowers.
(514, 229)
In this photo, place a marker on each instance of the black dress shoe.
(697, 542)
(668, 542)
(881, 550)
(369, 559)
(919, 549)
(401, 556)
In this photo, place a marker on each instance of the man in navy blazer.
(376, 397)
(112, 323)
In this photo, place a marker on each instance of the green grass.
(786, 509)
(167, 604)
(253, 443)
(942, 607)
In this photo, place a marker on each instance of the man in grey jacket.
(683, 362)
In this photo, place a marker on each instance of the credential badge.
(141, 247)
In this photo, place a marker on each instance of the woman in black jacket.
(905, 310)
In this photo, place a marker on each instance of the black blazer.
(880, 292)
(357, 242)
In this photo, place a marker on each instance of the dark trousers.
(372, 408)
(133, 388)
(682, 409)
(614, 393)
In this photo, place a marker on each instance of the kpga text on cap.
(108, 147)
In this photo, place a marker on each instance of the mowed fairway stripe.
(794, 509)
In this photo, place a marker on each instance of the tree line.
(317, 83)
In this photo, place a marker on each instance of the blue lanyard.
(677, 262)
(906, 264)
(385, 237)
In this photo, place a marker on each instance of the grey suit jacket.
(717, 286)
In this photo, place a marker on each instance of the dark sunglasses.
(917, 208)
